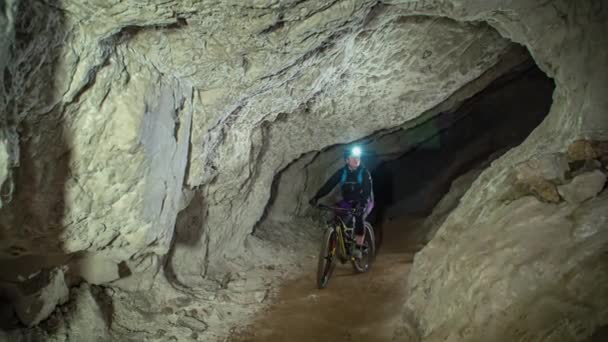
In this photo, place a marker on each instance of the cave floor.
(353, 307)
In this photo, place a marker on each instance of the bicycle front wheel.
(327, 258)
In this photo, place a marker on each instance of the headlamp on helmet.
(355, 152)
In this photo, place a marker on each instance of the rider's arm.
(329, 185)
(367, 186)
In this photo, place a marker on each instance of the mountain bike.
(338, 242)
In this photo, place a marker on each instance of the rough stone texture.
(95, 269)
(587, 149)
(552, 167)
(89, 315)
(37, 297)
(455, 285)
(131, 117)
(86, 317)
(340, 95)
(581, 150)
(450, 201)
(212, 308)
(169, 311)
(112, 109)
(7, 36)
(538, 176)
(512, 297)
(583, 187)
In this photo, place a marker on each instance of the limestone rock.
(551, 167)
(587, 149)
(583, 187)
(449, 202)
(90, 315)
(138, 274)
(8, 143)
(139, 110)
(110, 110)
(462, 300)
(538, 176)
(542, 189)
(581, 150)
(489, 279)
(96, 269)
(48, 290)
(192, 323)
(583, 166)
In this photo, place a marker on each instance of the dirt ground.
(353, 307)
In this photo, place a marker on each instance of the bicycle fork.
(342, 244)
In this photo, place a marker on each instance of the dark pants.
(360, 218)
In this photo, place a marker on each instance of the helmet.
(354, 151)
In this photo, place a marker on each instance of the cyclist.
(356, 188)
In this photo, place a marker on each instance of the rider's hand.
(313, 201)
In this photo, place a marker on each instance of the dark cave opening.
(496, 119)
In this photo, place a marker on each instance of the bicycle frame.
(330, 252)
(340, 227)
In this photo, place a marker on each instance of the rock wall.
(116, 116)
(7, 36)
(133, 110)
(459, 287)
(561, 37)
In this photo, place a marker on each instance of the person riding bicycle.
(356, 187)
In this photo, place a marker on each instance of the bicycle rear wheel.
(327, 258)
(369, 251)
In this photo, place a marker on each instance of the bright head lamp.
(353, 152)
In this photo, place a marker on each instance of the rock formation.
(140, 142)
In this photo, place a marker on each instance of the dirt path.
(354, 307)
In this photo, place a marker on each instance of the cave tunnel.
(412, 169)
(489, 124)
(157, 159)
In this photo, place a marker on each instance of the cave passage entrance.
(496, 119)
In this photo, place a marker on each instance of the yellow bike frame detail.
(339, 227)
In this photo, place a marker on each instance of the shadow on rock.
(39, 154)
(188, 257)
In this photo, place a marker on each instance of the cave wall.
(458, 288)
(554, 286)
(7, 27)
(140, 125)
(328, 117)
(237, 91)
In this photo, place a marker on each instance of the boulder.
(96, 269)
(581, 150)
(583, 187)
(89, 314)
(587, 149)
(38, 296)
(516, 274)
(538, 175)
(551, 167)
